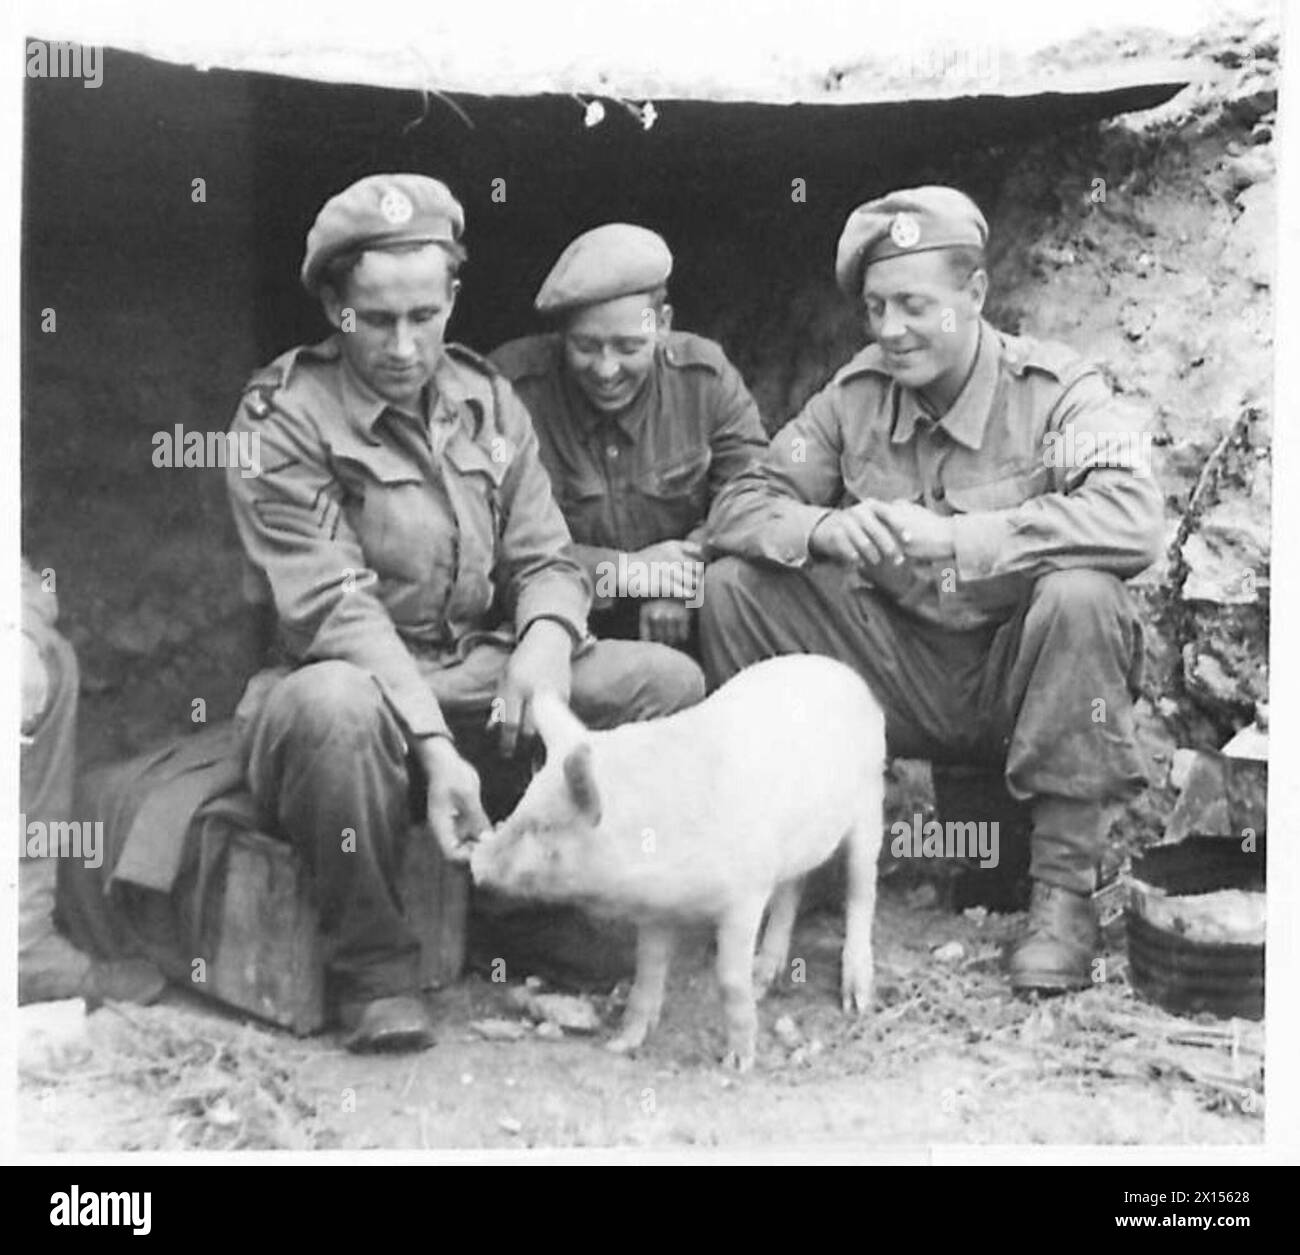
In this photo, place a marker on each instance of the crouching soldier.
(406, 529)
(640, 426)
(953, 515)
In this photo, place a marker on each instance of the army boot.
(1060, 943)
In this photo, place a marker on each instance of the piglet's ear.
(580, 778)
(556, 724)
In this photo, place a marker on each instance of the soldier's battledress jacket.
(648, 474)
(394, 542)
(1036, 463)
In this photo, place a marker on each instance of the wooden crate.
(435, 895)
(267, 957)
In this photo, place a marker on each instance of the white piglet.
(715, 813)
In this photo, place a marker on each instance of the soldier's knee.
(329, 701)
(1081, 594)
(721, 591)
(675, 681)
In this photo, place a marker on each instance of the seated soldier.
(640, 426)
(953, 515)
(417, 561)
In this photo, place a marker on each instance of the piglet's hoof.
(856, 987)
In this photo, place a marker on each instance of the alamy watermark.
(953, 839)
(179, 447)
(62, 838)
(65, 59)
(1129, 449)
(632, 577)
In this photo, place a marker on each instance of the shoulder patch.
(528, 355)
(1022, 353)
(260, 390)
(685, 349)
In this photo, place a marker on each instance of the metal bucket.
(1171, 918)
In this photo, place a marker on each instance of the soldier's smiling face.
(609, 348)
(399, 303)
(925, 317)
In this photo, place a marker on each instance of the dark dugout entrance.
(167, 292)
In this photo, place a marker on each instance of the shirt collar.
(364, 406)
(592, 422)
(966, 420)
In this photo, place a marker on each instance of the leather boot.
(394, 1024)
(1060, 943)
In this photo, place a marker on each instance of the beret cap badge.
(905, 231)
(396, 207)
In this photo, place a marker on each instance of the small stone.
(976, 914)
(535, 983)
(1250, 167)
(52, 1036)
(499, 1030)
(787, 1033)
(222, 1114)
(509, 1124)
(549, 1031)
(574, 1014)
(949, 952)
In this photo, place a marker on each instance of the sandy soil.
(947, 1056)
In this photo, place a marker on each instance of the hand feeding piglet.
(714, 813)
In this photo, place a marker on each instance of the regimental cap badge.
(905, 231)
(396, 207)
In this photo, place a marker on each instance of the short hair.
(340, 267)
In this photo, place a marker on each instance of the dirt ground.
(1168, 282)
(947, 1056)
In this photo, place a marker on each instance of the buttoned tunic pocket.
(674, 494)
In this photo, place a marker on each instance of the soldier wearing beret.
(405, 528)
(639, 426)
(919, 520)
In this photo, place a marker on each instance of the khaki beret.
(914, 220)
(618, 259)
(378, 210)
